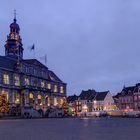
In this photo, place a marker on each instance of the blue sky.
(89, 43)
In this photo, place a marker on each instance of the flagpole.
(45, 59)
(34, 53)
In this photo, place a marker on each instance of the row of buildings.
(128, 98)
(90, 100)
(27, 82)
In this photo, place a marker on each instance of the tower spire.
(15, 14)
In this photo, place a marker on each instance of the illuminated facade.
(90, 100)
(27, 82)
(129, 98)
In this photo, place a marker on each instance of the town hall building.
(28, 82)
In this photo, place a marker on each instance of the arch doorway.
(39, 98)
(31, 98)
(47, 100)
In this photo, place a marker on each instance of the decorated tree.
(4, 107)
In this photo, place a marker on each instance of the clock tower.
(13, 46)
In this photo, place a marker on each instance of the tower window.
(6, 79)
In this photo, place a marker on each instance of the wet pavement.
(71, 129)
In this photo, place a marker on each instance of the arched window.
(55, 101)
(47, 99)
(31, 98)
(61, 102)
(39, 97)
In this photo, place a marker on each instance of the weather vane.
(15, 14)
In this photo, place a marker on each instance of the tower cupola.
(13, 46)
(14, 27)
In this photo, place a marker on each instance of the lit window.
(55, 101)
(47, 100)
(42, 84)
(61, 103)
(49, 86)
(61, 89)
(55, 88)
(17, 98)
(39, 99)
(6, 79)
(31, 98)
(26, 81)
(17, 82)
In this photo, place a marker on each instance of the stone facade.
(103, 101)
(28, 82)
(129, 98)
(137, 97)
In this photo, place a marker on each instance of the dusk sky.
(89, 43)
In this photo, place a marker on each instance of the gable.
(34, 62)
(52, 76)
